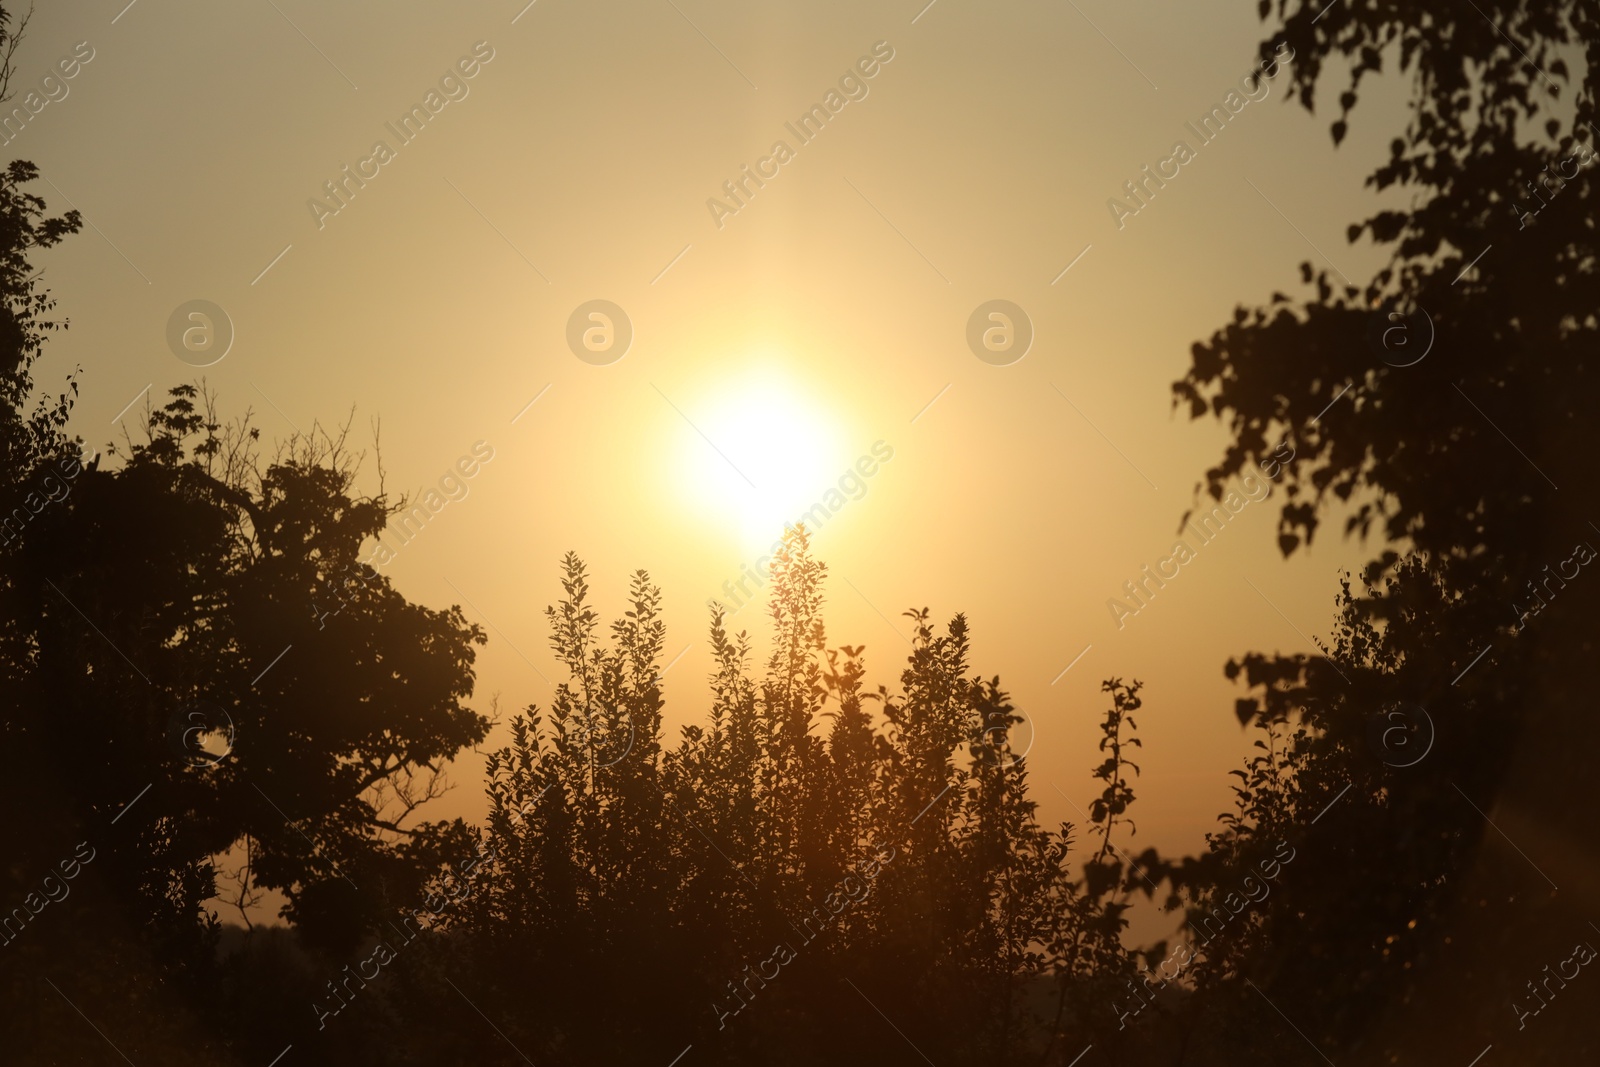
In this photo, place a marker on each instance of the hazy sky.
(770, 352)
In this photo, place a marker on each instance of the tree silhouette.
(171, 689)
(1439, 405)
(797, 850)
(203, 615)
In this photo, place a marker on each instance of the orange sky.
(772, 347)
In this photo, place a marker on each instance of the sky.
(774, 341)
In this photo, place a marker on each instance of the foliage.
(756, 828)
(1466, 455)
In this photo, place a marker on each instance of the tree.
(163, 657)
(190, 643)
(1439, 406)
(799, 842)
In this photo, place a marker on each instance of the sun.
(765, 448)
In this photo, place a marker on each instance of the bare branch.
(10, 41)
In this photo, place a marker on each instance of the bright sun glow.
(786, 446)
